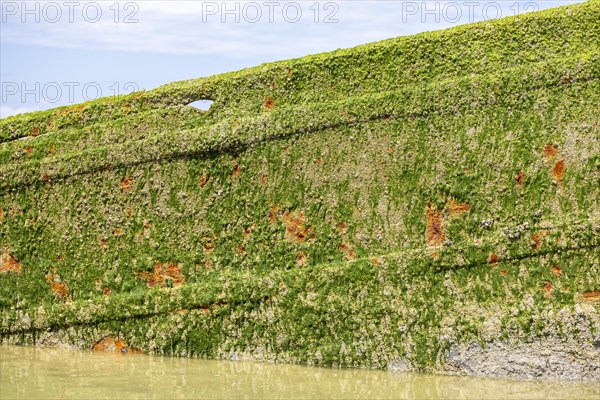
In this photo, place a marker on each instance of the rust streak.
(550, 151)
(163, 273)
(269, 103)
(520, 178)
(9, 264)
(558, 171)
(348, 251)
(456, 208)
(126, 183)
(592, 295)
(435, 233)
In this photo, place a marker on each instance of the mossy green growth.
(359, 208)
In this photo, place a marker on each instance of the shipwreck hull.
(422, 203)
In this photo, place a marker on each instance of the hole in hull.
(203, 105)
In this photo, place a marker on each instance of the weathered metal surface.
(404, 204)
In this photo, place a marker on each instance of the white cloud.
(197, 27)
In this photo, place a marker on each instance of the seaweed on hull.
(423, 203)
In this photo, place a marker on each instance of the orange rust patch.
(348, 251)
(375, 260)
(126, 183)
(289, 72)
(556, 270)
(263, 180)
(118, 232)
(103, 244)
(106, 291)
(203, 180)
(107, 344)
(269, 103)
(503, 272)
(435, 234)
(241, 250)
(1, 214)
(35, 131)
(111, 344)
(28, 150)
(9, 264)
(493, 260)
(558, 172)
(343, 228)
(162, 273)
(236, 170)
(536, 241)
(301, 259)
(550, 151)
(60, 289)
(272, 217)
(456, 208)
(46, 178)
(548, 287)
(296, 231)
(592, 295)
(174, 272)
(520, 178)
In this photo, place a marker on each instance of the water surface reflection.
(27, 372)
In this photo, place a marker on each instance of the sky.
(55, 53)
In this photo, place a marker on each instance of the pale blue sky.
(61, 52)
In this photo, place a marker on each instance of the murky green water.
(31, 373)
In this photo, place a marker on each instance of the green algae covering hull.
(422, 203)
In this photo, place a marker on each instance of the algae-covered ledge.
(427, 203)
